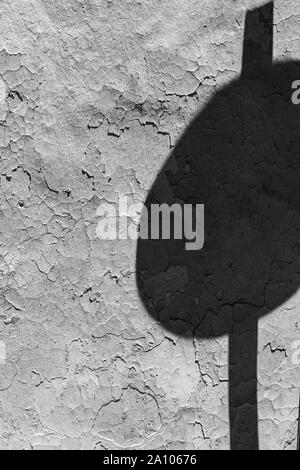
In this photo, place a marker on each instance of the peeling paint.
(93, 97)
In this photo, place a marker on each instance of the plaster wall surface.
(94, 94)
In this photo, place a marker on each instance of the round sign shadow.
(240, 157)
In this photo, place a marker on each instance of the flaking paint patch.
(93, 96)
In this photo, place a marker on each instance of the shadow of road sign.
(240, 157)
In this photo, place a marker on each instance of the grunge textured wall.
(93, 96)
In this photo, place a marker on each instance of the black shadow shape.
(241, 158)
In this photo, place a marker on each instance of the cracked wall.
(93, 96)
